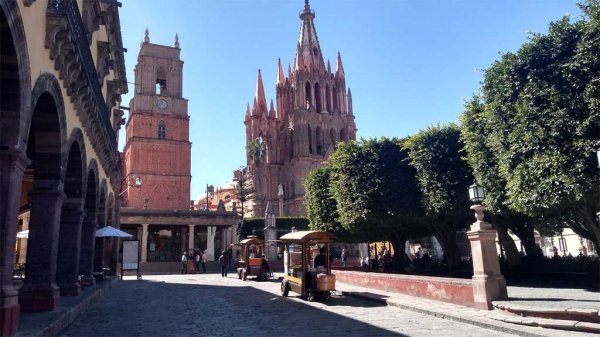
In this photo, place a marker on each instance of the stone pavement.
(208, 305)
(476, 317)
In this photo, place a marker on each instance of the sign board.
(131, 256)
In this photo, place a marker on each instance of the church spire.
(339, 67)
(176, 40)
(280, 76)
(260, 98)
(146, 36)
(308, 53)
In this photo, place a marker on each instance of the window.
(310, 145)
(318, 97)
(307, 93)
(161, 82)
(161, 130)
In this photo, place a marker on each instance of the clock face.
(161, 104)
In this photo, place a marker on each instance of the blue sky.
(410, 64)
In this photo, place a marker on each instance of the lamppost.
(488, 282)
(137, 183)
(210, 189)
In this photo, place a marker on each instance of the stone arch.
(15, 80)
(161, 81)
(308, 95)
(69, 241)
(343, 135)
(318, 101)
(332, 138)
(310, 140)
(48, 150)
(88, 230)
(319, 140)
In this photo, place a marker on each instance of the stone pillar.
(488, 282)
(39, 291)
(114, 251)
(191, 237)
(270, 234)
(12, 167)
(144, 243)
(210, 242)
(67, 271)
(88, 241)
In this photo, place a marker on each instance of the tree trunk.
(447, 239)
(524, 230)
(399, 259)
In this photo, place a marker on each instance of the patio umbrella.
(23, 234)
(110, 231)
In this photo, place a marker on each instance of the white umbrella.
(23, 234)
(111, 231)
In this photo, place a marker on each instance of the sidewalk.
(483, 318)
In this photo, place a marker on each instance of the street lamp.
(476, 193)
(137, 183)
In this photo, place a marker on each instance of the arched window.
(291, 151)
(308, 95)
(328, 98)
(335, 99)
(161, 130)
(292, 189)
(310, 144)
(319, 140)
(332, 138)
(161, 81)
(318, 97)
(343, 135)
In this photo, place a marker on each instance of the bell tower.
(157, 146)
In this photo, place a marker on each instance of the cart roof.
(251, 239)
(307, 236)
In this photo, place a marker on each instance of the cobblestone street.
(208, 305)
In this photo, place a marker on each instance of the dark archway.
(310, 140)
(328, 98)
(69, 242)
(332, 138)
(46, 147)
(318, 102)
(88, 227)
(15, 107)
(308, 95)
(343, 135)
(319, 140)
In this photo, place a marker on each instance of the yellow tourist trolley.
(307, 265)
(252, 262)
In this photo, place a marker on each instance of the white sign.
(130, 255)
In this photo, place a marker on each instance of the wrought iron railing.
(82, 47)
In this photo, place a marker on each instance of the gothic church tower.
(157, 146)
(313, 112)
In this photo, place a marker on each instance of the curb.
(455, 318)
(62, 322)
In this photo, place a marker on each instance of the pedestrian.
(344, 257)
(224, 260)
(184, 260)
(204, 259)
(197, 259)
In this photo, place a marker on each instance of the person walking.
(197, 259)
(184, 261)
(204, 259)
(344, 257)
(224, 260)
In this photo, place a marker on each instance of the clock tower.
(157, 147)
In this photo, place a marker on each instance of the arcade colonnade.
(61, 78)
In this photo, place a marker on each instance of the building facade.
(311, 114)
(157, 209)
(62, 74)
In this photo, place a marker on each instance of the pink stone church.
(311, 114)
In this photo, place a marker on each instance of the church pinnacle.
(308, 53)
(146, 36)
(261, 100)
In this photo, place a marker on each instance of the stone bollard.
(488, 282)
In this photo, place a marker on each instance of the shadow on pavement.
(146, 307)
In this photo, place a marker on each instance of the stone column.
(488, 282)
(12, 167)
(39, 291)
(191, 237)
(88, 241)
(210, 242)
(67, 270)
(144, 243)
(114, 251)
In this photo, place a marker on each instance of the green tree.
(376, 192)
(542, 113)
(321, 207)
(444, 178)
(244, 190)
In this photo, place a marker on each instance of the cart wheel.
(310, 298)
(285, 289)
(240, 274)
